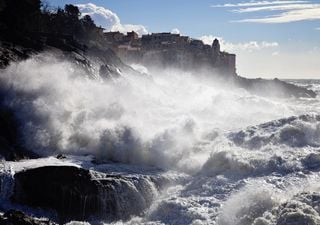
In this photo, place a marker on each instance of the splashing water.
(174, 120)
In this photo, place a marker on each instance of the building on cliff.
(167, 49)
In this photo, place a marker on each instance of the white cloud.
(175, 31)
(254, 3)
(275, 8)
(292, 11)
(123, 28)
(317, 28)
(236, 47)
(109, 20)
(289, 16)
(208, 39)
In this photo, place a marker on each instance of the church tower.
(216, 47)
(215, 51)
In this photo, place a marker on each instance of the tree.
(2, 5)
(72, 11)
(21, 15)
(88, 23)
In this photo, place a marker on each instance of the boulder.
(76, 194)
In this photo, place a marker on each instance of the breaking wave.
(164, 120)
(245, 159)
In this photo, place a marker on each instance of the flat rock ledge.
(79, 194)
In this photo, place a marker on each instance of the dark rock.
(273, 88)
(10, 147)
(60, 156)
(10, 53)
(75, 194)
(13, 217)
(69, 190)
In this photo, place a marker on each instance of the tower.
(215, 51)
(216, 47)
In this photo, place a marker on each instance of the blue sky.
(272, 38)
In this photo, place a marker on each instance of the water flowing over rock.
(78, 195)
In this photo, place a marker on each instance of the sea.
(232, 158)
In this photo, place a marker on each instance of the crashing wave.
(297, 131)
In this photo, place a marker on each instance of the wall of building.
(166, 49)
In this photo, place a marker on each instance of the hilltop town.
(168, 49)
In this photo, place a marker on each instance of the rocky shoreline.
(67, 192)
(74, 191)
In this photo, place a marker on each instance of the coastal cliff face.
(171, 50)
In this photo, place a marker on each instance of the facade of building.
(166, 49)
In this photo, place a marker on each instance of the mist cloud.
(166, 119)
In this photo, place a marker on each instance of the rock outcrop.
(10, 146)
(14, 217)
(79, 194)
(273, 88)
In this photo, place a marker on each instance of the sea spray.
(161, 120)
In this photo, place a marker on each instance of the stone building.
(170, 50)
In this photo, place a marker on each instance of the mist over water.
(167, 116)
(228, 140)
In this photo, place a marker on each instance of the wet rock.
(75, 194)
(273, 88)
(13, 217)
(60, 156)
(10, 147)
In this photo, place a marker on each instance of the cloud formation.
(109, 20)
(175, 31)
(275, 8)
(234, 47)
(257, 3)
(289, 11)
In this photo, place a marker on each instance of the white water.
(238, 172)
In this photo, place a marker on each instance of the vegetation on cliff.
(28, 21)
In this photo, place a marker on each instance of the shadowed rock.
(76, 194)
(273, 88)
(10, 148)
(13, 217)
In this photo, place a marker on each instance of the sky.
(271, 38)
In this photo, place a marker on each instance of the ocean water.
(233, 157)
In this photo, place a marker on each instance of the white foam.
(161, 121)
